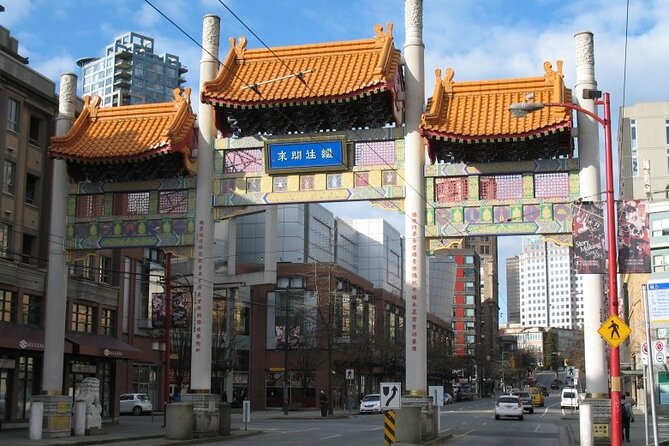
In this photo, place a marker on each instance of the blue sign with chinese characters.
(306, 155)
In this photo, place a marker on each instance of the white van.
(569, 398)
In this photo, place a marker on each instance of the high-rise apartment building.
(512, 291)
(643, 151)
(551, 295)
(130, 72)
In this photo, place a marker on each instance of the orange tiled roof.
(128, 133)
(316, 72)
(479, 110)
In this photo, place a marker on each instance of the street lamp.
(520, 110)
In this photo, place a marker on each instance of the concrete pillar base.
(57, 418)
(205, 413)
(224, 419)
(179, 421)
(415, 421)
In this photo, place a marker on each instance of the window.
(554, 184)
(634, 148)
(13, 114)
(31, 189)
(28, 247)
(6, 306)
(83, 318)
(33, 133)
(9, 177)
(5, 231)
(451, 189)
(90, 205)
(32, 309)
(174, 201)
(501, 187)
(108, 322)
(132, 203)
(105, 270)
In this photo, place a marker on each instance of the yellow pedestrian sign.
(614, 331)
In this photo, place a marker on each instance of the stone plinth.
(205, 413)
(415, 421)
(57, 419)
(179, 421)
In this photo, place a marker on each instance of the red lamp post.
(522, 109)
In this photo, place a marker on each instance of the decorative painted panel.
(159, 214)
(375, 172)
(502, 198)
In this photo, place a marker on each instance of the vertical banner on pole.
(588, 237)
(633, 237)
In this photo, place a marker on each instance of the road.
(474, 424)
(471, 423)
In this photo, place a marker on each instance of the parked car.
(135, 403)
(370, 403)
(569, 398)
(525, 400)
(508, 406)
(448, 398)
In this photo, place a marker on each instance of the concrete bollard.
(585, 424)
(224, 419)
(79, 421)
(179, 421)
(36, 419)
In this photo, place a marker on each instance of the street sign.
(437, 394)
(350, 374)
(391, 396)
(614, 331)
(644, 353)
(658, 301)
(659, 351)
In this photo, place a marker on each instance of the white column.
(414, 203)
(203, 270)
(56, 291)
(590, 186)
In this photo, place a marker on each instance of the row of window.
(132, 203)
(502, 187)
(14, 121)
(27, 249)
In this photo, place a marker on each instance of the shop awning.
(103, 347)
(24, 337)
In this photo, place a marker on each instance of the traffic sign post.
(391, 396)
(614, 331)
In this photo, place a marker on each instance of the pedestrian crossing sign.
(614, 331)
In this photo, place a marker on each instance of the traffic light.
(566, 362)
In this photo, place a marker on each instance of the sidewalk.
(148, 430)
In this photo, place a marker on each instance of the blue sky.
(481, 39)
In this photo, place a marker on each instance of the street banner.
(633, 237)
(159, 310)
(588, 238)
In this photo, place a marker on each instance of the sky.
(479, 39)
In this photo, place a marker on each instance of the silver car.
(135, 403)
(370, 403)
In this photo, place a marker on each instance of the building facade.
(130, 72)
(551, 295)
(512, 291)
(643, 151)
